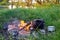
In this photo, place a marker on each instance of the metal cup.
(51, 28)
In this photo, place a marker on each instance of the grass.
(51, 16)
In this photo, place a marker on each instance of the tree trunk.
(57, 1)
(12, 4)
(29, 3)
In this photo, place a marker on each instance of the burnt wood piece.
(38, 24)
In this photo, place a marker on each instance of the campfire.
(24, 28)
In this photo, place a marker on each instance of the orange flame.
(22, 24)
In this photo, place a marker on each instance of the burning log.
(24, 26)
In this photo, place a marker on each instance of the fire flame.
(22, 24)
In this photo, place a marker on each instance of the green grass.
(51, 16)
